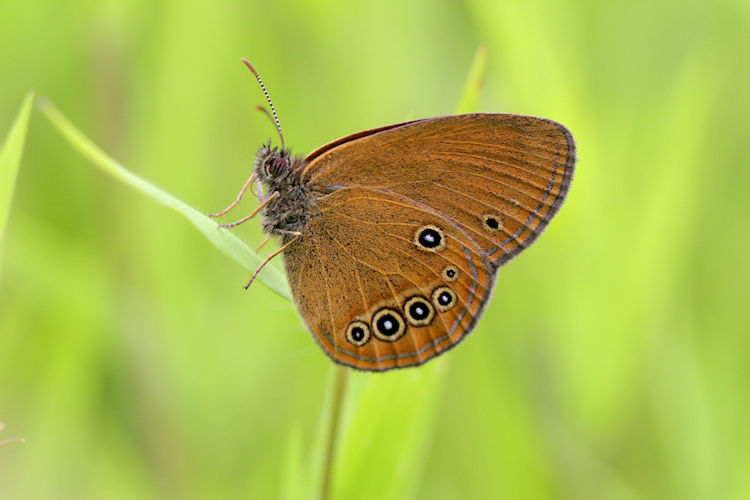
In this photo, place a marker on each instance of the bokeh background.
(613, 362)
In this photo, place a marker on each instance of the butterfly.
(392, 237)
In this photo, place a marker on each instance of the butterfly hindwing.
(377, 266)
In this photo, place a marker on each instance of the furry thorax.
(280, 172)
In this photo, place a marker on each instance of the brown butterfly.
(392, 237)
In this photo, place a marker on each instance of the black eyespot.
(492, 223)
(444, 298)
(419, 311)
(358, 333)
(388, 325)
(429, 238)
(450, 273)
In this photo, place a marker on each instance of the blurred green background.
(612, 363)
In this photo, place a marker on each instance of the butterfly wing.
(396, 264)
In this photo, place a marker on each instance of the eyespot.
(418, 311)
(450, 273)
(444, 298)
(492, 223)
(358, 333)
(429, 238)
(388, 325)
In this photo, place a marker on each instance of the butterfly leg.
(284, 231)
(262, 243)
(258, 189)
(279, 231)
(268, 259)
(255, 212)
(239, 197)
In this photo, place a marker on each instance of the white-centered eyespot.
(388, 325)
(444, 298)
(358, 333)
(418, 311)
(429, 238)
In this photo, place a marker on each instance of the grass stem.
(339, 387)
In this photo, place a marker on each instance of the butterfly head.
(272, 164)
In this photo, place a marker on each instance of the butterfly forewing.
(520, 167)
(396, 264)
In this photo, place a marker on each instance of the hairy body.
(281, 173)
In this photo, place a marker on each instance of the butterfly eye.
(492, 223)
(450, 273)
(277, 166)
(444, 298)
(418, 311)
(358, 333)
(388, 325)
(430, 238)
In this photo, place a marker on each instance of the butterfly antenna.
(263, 110)
(268, 98)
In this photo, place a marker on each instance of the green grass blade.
(401, 405)
(295, 480)
(223, 239)
(469, 100)
(10, 161)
